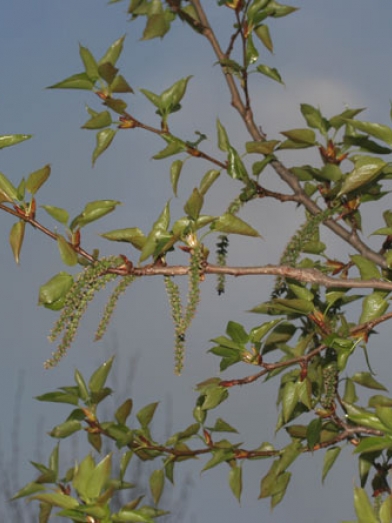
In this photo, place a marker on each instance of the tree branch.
(285, 174)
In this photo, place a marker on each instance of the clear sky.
(330, 53)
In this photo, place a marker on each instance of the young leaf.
(207, 180)
(157, 482)
(37, 179)
(7, 188)
(146, 414)
(112, 54)
(366, 169)
(329, 459)
(67, 252)
(89, 62)
(381, 132)
(367, 380)
(194, 204)
(363, 507)
(131, 235)
(175, 171)
(93, 211)
(103, 140)
(16, 238)
(373, 306)
(99, 377)
(170, 99)
(55, 289)
(263, 33)
(235, 481)
(98, 121)
(76, 81)
(230, 224)
(61, 215)
(271, 72)
(223, 140)
(8, 140)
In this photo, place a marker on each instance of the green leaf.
(373, 444)
(363, 507)
(373, 306)
(263, 33)
(99, 479)
(366, 169)
(61, 215)
(237, 332)
(89, 62)
(37, 179)
(313, 432)
(381, 132)
(258, 333)
(83, 392)
(152, 97)
(367, 268)
(289, 400)
(384, 414)
(117, 105)
(235, 481)
(230, 224)
(8, 140)
(7, 188)
(58, 500)
(28, 490)
(157, 483)
(207, 180)
(174, 146)
(266, 147)
(66, 429)
(67, 252)
(339, 120)
(301, 136)
(99, 377)
(98, 121)
(59, 397)
(93, 211)
(157, 26)
(131, 235)
(235, 166)
(366, 380)
(213, 397)
(16, 238)
(194, 204)
(171, 97)
(103, 140)
(107, 72)
(175, 171)
(223, 140)
(222, 426)
(123, 411)
(252, 53)
(271, 72)
(218, 456)
(112, 54)
(146, 414)
(76, 81)
(330, 457)
(120, 85)
(54, 291)
(314, 118)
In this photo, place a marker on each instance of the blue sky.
(329, 53)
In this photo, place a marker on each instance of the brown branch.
(313, 276)
(246, 114)
(129, 122)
